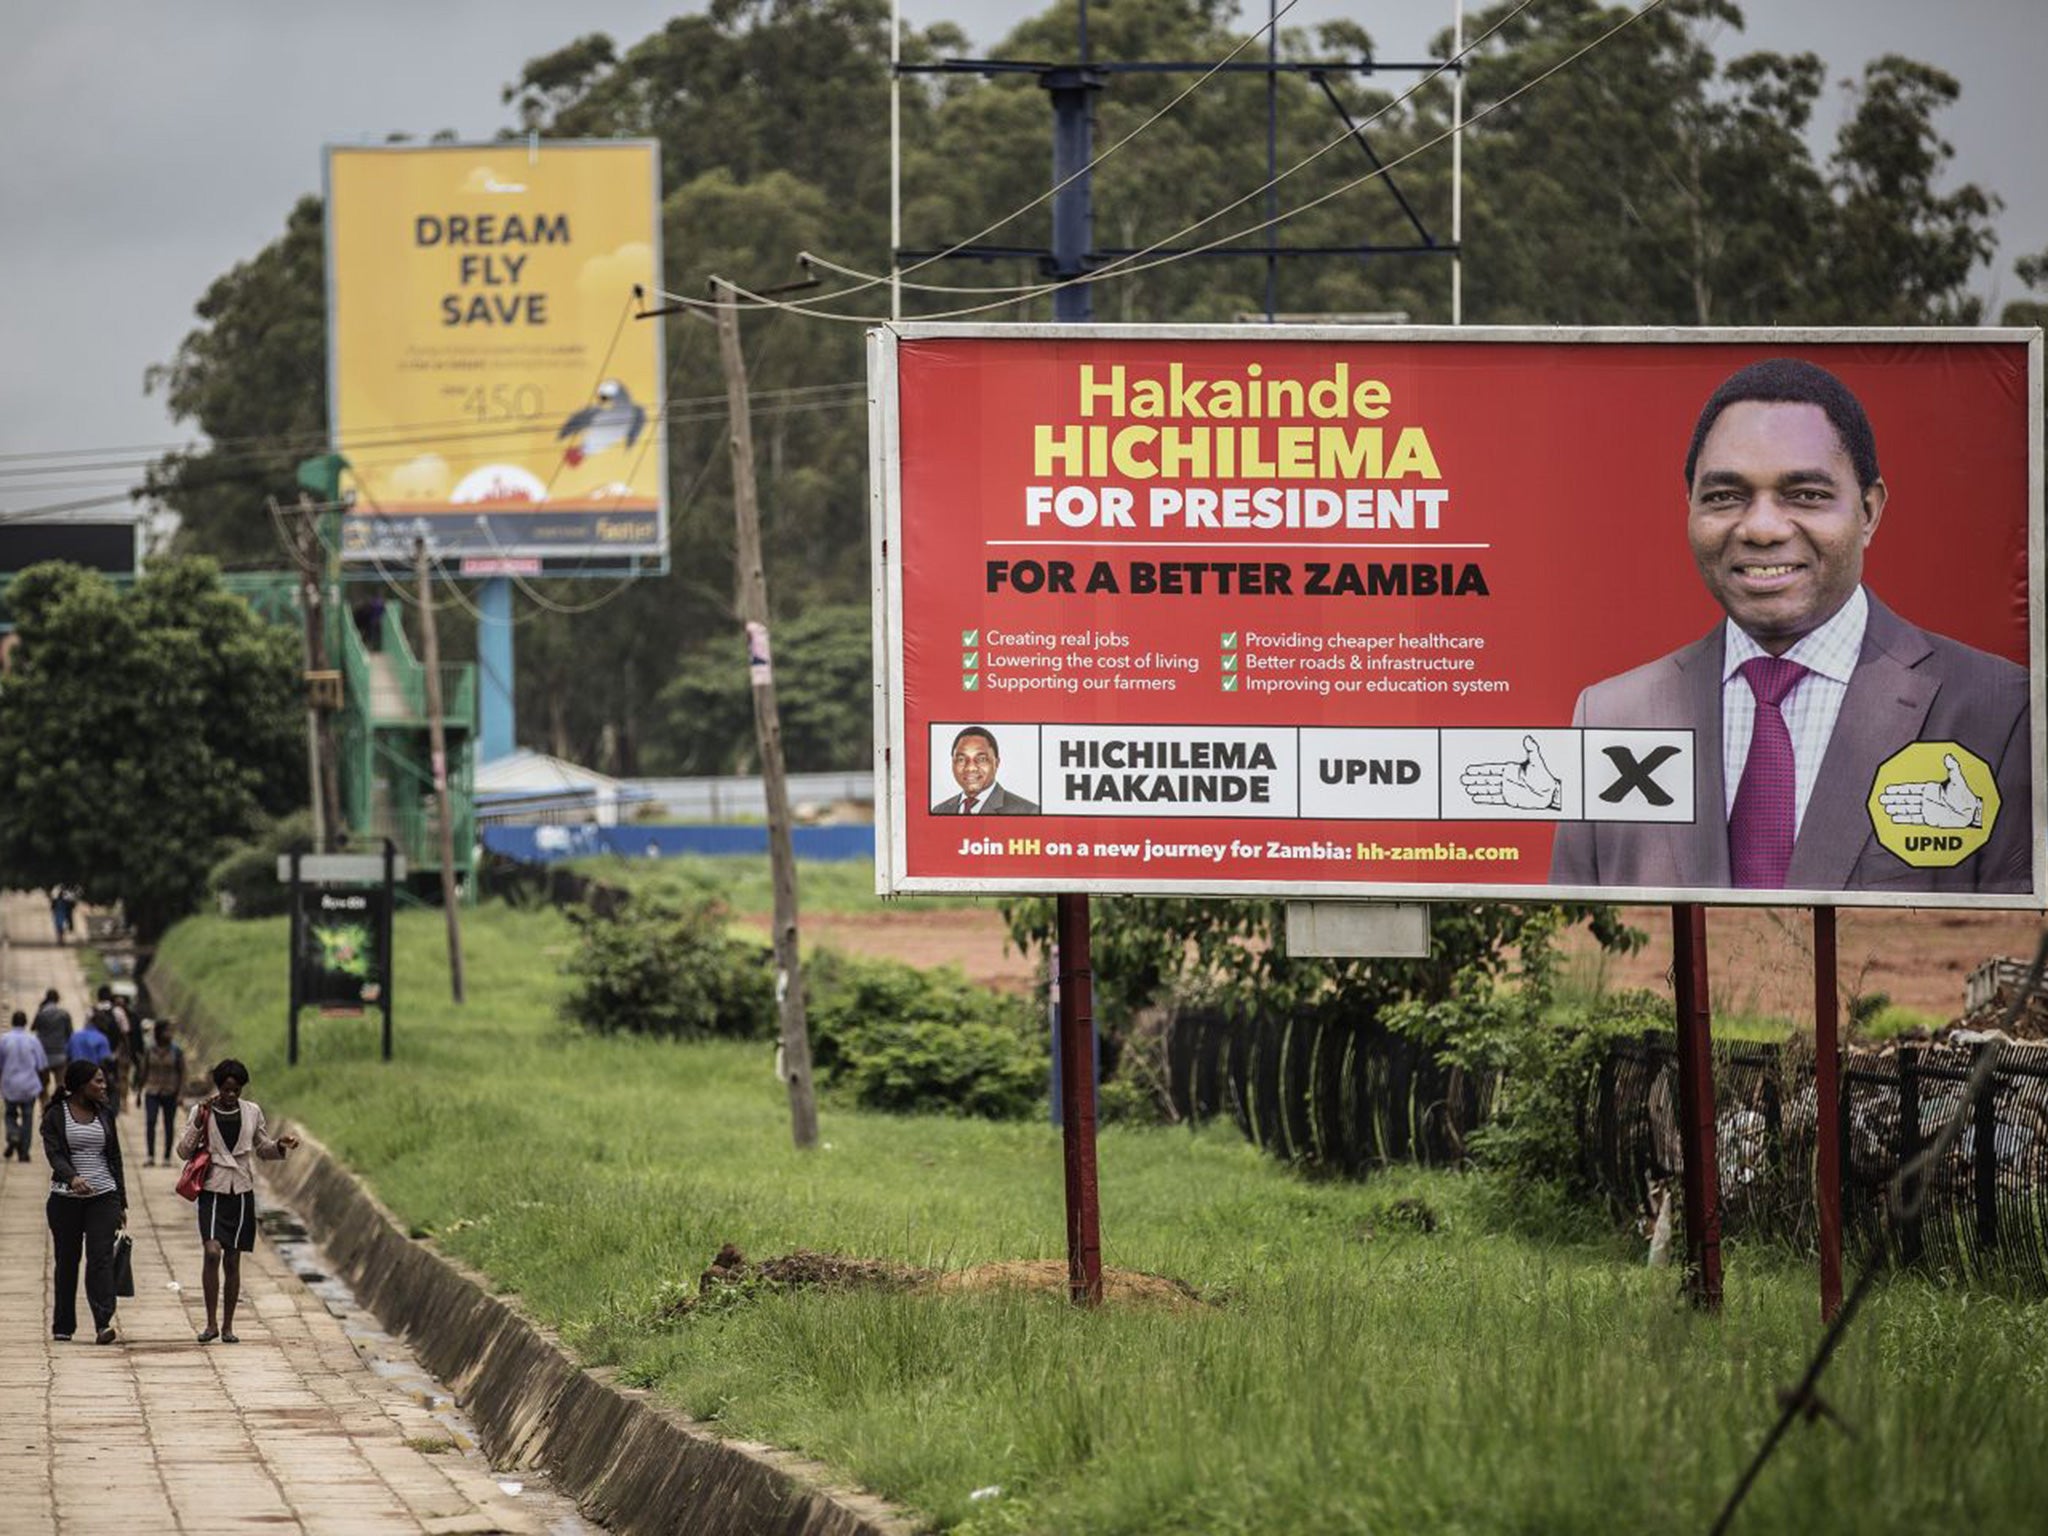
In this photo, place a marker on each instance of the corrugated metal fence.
(1345, 1093)
(1342, 1091)
(1987, 1203)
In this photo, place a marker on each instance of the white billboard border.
(653, 557)
(886, 497)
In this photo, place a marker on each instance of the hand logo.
(1947, 802)
(1528, 785)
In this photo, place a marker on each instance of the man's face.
(974, 764)
(1777, 522)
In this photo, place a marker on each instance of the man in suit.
(976, 762)
(1810, 684)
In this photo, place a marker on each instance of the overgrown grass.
(1351, 1375)
(744, 883)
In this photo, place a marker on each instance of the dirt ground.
(1759, 960)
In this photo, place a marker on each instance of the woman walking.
(88, 1198)
(232, 1130)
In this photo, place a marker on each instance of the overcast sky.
(151, 144)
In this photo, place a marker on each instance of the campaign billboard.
(486, 380)
(1718, 615)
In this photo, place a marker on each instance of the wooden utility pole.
(437, 737)
(753, 607)
(323, 792)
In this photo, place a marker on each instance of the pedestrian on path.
(232, 1130)
(110, 1024)
(162, 1078)
(88, 1199)
(62, 904)
(23, 1071)
(53, 1030)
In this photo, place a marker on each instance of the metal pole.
(1272, 159)
(1702, 1181)
(1073, 205)
(437, 740)
(384, 939)
(1077, 1109)
(1458, 164)
(895, 159)
(1071, 225)
(1827, 1090)
(753, 607)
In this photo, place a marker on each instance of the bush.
(245, 883)
(911, 1041)
(662, 969)
(1547, 1059)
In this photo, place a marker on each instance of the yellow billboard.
(486, 379)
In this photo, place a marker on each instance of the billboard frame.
(886, 527)
(587, 561)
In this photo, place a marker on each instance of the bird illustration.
(617, 419)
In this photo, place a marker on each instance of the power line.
(1133, 264)
(413, 433)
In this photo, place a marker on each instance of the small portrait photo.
(984, 770)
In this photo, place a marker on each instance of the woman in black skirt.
(232, 1130)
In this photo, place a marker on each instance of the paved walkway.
(289, 1430)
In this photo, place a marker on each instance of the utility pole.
(752, 583)
(322, 793)
(437, 737)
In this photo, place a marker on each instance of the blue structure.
(494, 664)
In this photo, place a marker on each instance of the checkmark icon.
(1230, 661)
(970, 637)
(970, 659)
(1230, 683)
(1230, 639)
(970, 681)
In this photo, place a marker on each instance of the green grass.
(743, 882)
(1351, 1375)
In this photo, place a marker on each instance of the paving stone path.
(291, 1429)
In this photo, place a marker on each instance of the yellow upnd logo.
(1934, 803)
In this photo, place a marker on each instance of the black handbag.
(124, 1265)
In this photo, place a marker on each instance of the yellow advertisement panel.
(487, 381)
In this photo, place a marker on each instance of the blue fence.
(550, 844)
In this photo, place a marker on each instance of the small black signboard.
(341, 958)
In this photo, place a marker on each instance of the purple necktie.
(1761, 822)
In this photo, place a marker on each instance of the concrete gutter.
(640, 1467)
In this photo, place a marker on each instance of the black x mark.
(1635, 774)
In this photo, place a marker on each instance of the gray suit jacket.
(1908, 686)
(1000, 802)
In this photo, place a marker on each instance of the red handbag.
(192, 1177)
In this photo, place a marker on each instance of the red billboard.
(1714, 615)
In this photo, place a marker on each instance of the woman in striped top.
(88, 1198)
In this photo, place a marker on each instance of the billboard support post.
(1702, 1183)
(384, 937)
(496, 736)
(1077, 1102)
(291, 1029)
(1827, 1088)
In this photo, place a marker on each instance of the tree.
(824, 675)
(2033, 272)
(141, 734)
(253, 378)
(1659, 178)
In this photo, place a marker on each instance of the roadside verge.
(640, 1467)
